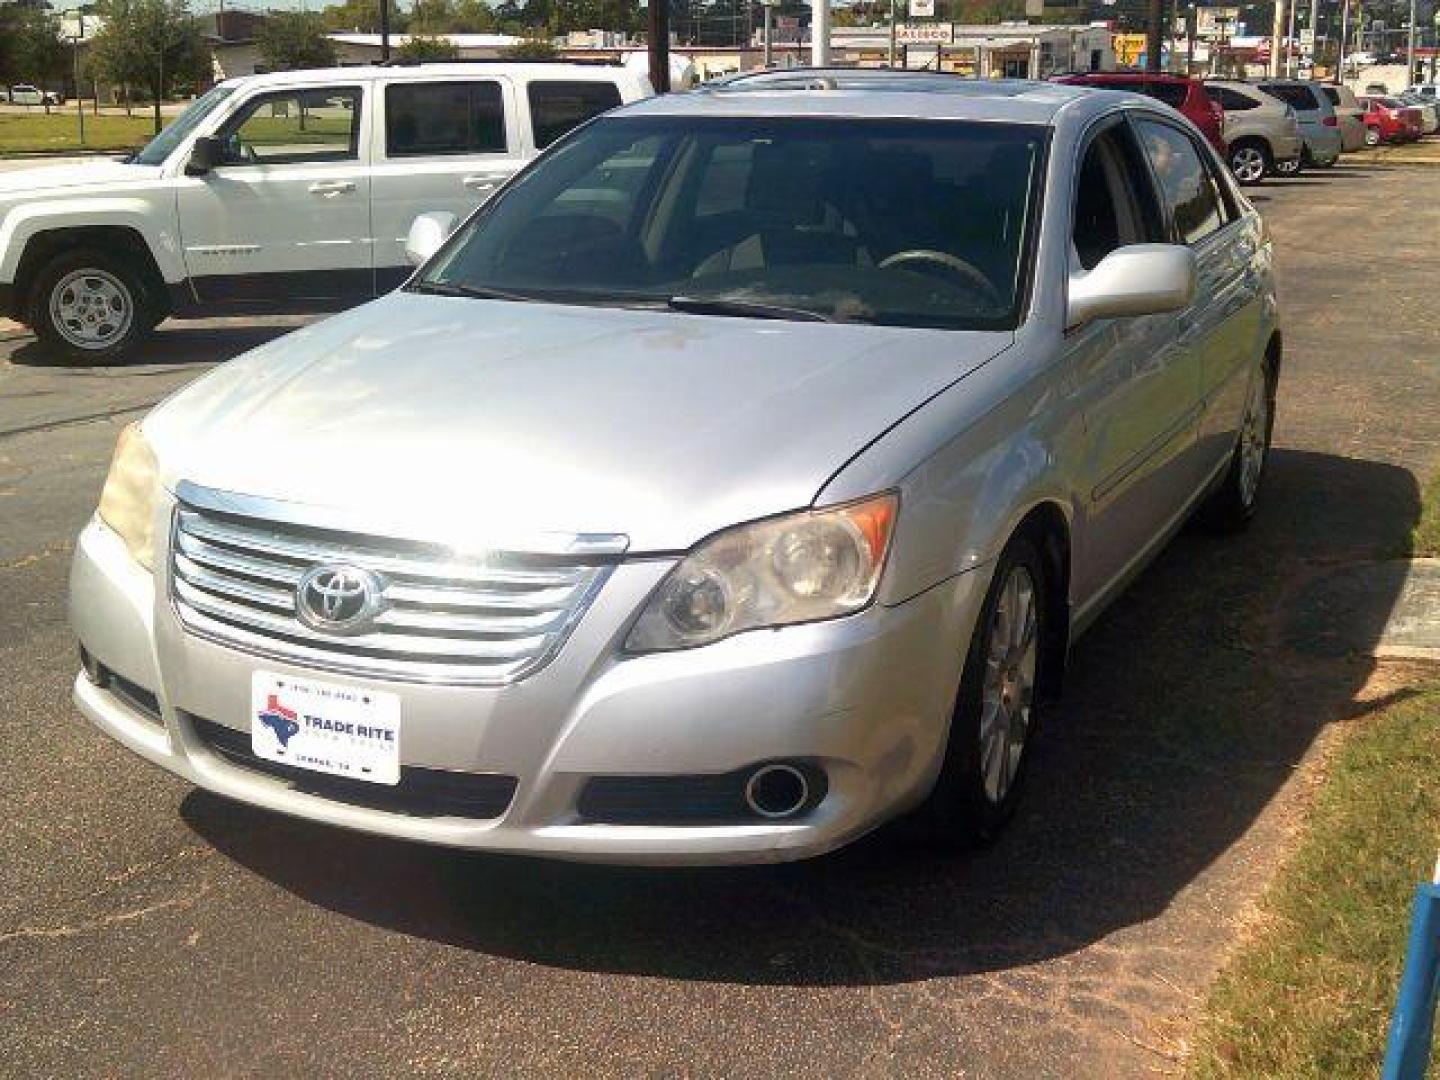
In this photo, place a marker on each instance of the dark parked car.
(1187, 96)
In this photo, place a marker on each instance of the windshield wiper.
(754, 309)
(446, 288)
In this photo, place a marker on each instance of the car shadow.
(1186, 709)
(174, 344)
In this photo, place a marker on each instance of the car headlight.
(815, 564)
(127, 503)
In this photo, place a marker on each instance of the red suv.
(1389, 121)
(1184, 95)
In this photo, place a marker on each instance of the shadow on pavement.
(1184, 714)
(174, 344)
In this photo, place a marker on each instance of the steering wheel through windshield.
(958, 266)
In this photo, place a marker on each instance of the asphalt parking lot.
(147, 928)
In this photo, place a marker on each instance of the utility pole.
(820, 32)
(1344, 40)
(893, 17)
(79, 94)
(1153, 18)
(1290, 37)
(384, 31)
(1410, 51)
(769, 30)
(1314, 35)
(1277, 38)
(659, 43)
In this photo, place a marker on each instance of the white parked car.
(25, 94)
(291, 191)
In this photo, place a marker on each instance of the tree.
(149, 45)
(362, 17)
(420, 47)
(31, 49)
(532, 48)
(289, 40)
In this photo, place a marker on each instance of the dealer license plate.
(342, 730)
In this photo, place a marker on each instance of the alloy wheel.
(1254, 443)
(91, 308)
(1008, 688)
(1248, 165)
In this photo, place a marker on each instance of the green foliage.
(420, 47)
(290, 40)
(153, 46)
(361, 17)
(532, 49)
(31, 49)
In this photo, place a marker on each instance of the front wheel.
(1288, 168)
(1249, 162)
(996, 710)
(1372, 136)
(91, 307)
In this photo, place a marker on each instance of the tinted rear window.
(557, 107)
(444, 118)
(1299, 98)
(1231, 100)
(1172, 94)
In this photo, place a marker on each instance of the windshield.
(163, 145)
(901, 222)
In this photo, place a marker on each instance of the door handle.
(330, 188)
(481, 183)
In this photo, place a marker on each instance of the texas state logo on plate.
(342, 730)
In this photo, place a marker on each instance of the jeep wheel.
(90, 306)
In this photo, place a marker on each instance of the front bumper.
(866, 699)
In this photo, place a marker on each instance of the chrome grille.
(443, 618)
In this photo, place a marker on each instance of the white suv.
(283, 192)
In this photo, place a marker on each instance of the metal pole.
(1314, 35)
(1190, 17)
(769, 19)
(1290, 37)
(1344, 38)
(1277, 32)
(1410, 51)
(820, 33)
(659, 43)
(892, 33)
(1154, 15)
(384, 31)
(79, 94)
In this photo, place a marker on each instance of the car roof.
(937, 97)
(450, 69)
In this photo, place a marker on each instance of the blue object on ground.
(1411, 1027)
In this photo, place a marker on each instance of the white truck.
(274, 193)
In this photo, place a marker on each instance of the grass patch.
(1425, 540)
(59, 131)
(1311, 994)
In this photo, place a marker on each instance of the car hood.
(97, 172)
(475, 421)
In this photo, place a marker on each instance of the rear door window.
(1299, 98)
(1172, 94)
(1231, 100)
(556, 107)
(437, 118)
(1186, 185)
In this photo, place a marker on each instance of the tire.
(1372, 137)
(1251, 161)
(973, 799)
(1290, 168)
(1232, 505)
(91, 306)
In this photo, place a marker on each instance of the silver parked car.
(735, 480)
(1319, 126)
(1349, 114)
(1261, 132)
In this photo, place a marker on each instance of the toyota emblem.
(338, 599)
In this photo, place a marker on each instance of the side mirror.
(427, 233)
(204, 156)
(1142, 279)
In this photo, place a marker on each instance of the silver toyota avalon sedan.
(732, 482)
